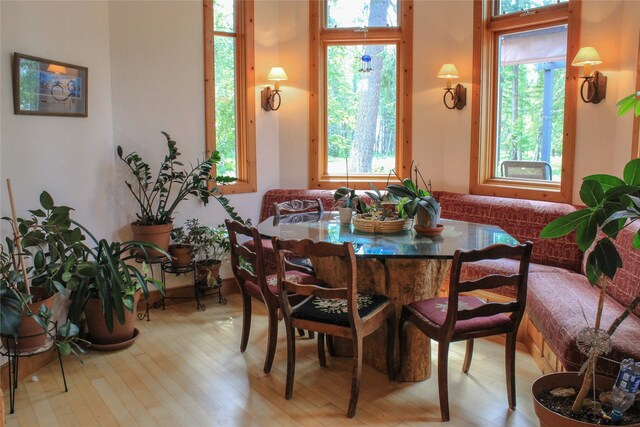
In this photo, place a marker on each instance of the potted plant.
(181, 250)
(210, 246)
(159, 196)
(33, 265)
(419, 203)
(611, 204)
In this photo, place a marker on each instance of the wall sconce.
(269, 96)
(595, 82)
(459, 94)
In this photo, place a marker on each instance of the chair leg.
(443, 383)
(391, 340)
(272, 339)
(402, 344)
(246, 321)
(468, 354)
(330, 346)
(510, 367)
(321, 355)
(301, 332)
(312, 335)
(291, 361)
(357, 375)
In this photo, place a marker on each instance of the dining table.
(404, 266)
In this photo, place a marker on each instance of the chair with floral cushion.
(472, 317)
(248, 266)
(335, 308)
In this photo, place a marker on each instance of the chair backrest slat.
(298, 206)
(489, 309)
(489, 282)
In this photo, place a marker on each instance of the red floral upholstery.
(558, 304)
(435, 311)
(523, 219)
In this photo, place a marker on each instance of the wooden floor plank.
(186, 369)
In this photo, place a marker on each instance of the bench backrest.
(523, 219)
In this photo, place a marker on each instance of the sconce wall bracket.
(457, 96)
(268, 99)
(596, 88)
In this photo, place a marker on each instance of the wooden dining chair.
(297, 207)
(335, 308)
(248, 268)
(463, 317)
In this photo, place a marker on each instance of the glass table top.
(405, 244)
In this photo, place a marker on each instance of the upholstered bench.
(560, 296)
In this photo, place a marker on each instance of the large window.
(229, 90)
(524, 113)
(361, 91)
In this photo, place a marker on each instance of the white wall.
(67, 156)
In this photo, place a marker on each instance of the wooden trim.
(482, 178)
(635, 138)
(319, 39)
(245, 94)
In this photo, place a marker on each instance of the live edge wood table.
(404, 266)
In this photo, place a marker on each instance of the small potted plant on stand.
(181, 250)
(210, 246)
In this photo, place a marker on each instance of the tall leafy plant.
(159, 196)
(612, 203)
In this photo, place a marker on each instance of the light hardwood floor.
(186, 369)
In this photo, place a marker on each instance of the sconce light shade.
(457, 95)
(448, 71)
(269, 96)
(586, 56)
(595, 83)
(277, 74)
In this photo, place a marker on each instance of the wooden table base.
(403, 281)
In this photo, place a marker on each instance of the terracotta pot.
(547, 417)
(207, 268)
(97, 324)
(180, 255)
(30, 335)
(156, 234)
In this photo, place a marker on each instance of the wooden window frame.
(320, 38)
(245, 94)
(635, 137)
(484, 108)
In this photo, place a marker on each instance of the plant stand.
(13, 355)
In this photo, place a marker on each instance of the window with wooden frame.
(360, 84)
(229, 90)
(524, 98)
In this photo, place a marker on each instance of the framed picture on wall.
(42, 87)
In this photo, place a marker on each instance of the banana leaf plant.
(159, 197)
(612, 203)
(416, 197)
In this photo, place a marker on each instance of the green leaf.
(593, 273)
(64, 348)
(586, 233)
(39, 260)
(631, 172)
(46, 200)
(626, 104)
(607, 258)
(636, 240)
(565, 224)
(409, 185)
(607, 181)
(591, 193)
(39, 213)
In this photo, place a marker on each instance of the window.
(524, 113)
(360, 91)
(229, 90)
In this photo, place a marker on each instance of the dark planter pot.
(156, 234)
(208, 268)
(180, 255)
(547, 417)
(30, 335)
(123, 335)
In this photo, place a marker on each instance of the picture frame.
(43, 87)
